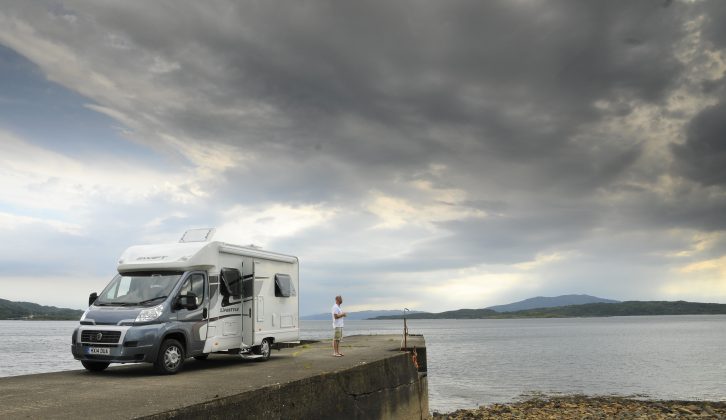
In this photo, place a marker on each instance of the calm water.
(474, 362)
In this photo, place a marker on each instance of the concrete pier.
(373, 380)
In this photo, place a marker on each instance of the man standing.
(338, 316)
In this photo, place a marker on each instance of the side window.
(231, 281)
(248, 287)
(284, 286)
(198, 287)
(194, 284)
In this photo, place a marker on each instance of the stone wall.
(391, 388)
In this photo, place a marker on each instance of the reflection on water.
(474, 362)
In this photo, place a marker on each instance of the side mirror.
(92, 298)
(188, 301)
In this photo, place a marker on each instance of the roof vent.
(198, 235)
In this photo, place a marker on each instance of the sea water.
(473, 362)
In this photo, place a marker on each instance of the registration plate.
(106, 351)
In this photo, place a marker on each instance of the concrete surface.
(373, 380)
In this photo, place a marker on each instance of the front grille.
(101, 337)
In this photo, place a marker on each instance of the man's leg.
(335, 343)
(340, 337)
(337, 334)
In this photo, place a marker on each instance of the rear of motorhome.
(170, 302)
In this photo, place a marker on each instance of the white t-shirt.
(339, 321)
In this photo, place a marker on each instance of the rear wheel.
(171, 357)
(264, 349)
(95, 366)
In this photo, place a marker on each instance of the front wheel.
(171, 357)
(264, 349)
(95, 366)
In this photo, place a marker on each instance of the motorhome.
(170, 302)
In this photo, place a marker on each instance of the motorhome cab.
(190, 299)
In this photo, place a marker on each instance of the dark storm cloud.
(517, 79)
(715, 15)
(703, 156)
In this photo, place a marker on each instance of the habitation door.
(248, 303)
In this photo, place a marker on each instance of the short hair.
(338, 297)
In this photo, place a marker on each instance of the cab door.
(194, 321)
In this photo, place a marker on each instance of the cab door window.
(194, 284)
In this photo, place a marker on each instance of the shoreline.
(590, 407)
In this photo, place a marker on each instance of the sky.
(422, 154)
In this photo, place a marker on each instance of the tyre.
(170, 358)
(264, 349)
(201, 357)
(95, 366)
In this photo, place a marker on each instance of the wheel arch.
(177, 335)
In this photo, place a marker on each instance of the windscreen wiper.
(152, 299)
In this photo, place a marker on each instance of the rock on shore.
(582, 407)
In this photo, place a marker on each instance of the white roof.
(187, 255)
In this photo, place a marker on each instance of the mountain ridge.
(28, 310)
(550, 302)
(355, 315)
(627, 308)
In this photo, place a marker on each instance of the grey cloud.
(331, 101)
(458, 64)
(703, 155)
(511, 239)
(476, 86)
(715, 14)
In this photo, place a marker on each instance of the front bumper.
(136, 344)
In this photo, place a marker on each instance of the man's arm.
(340, 315)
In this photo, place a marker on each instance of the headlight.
(150, 314)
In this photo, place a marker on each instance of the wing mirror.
(187, 301)
(92, 298)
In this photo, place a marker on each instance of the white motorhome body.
(267, 308)
(189, 299)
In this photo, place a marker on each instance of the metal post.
(405, 330)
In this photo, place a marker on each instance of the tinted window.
(248, 286)
(194, 284)
(231, 282)
(284, 286)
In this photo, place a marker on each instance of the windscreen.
(138, 289)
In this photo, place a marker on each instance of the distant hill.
(549, 302)
(354, 315)
(457, 314)
(28, 310)
(629, 308)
